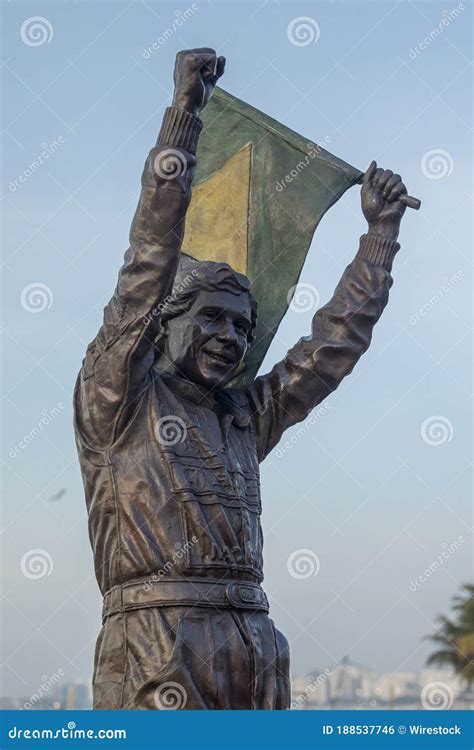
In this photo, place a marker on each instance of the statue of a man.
(170, 456)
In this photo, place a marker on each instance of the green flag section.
(259, 193)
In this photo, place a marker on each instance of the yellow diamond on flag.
(224, 240)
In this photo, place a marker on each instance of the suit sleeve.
(115, 369)
(341, 333)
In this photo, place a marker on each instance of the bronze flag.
(259, 193)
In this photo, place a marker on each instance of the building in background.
(351, 685)
(63, 696)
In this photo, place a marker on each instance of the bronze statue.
(170, 455)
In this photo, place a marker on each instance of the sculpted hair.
(193, 276)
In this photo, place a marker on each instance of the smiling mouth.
(220, 358)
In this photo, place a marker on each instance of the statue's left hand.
(196, 73)
(381, 205)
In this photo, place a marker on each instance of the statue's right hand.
(196, 73)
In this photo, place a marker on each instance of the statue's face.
(207, 344)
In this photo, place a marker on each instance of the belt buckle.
(241, 595)
(248, 594)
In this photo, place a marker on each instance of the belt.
(189, 592)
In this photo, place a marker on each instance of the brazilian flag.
(259, 193)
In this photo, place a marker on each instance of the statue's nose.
(226, 334)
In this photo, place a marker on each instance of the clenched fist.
(196, 73)
(381, 204)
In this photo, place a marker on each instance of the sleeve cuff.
(180, 129)
(378, 250)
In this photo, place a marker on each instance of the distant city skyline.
(351, 685)
(347, 685)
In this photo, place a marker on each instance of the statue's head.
(207, 323)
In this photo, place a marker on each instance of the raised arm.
(342, 329)
(115, 369)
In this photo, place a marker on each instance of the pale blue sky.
(360, 489)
